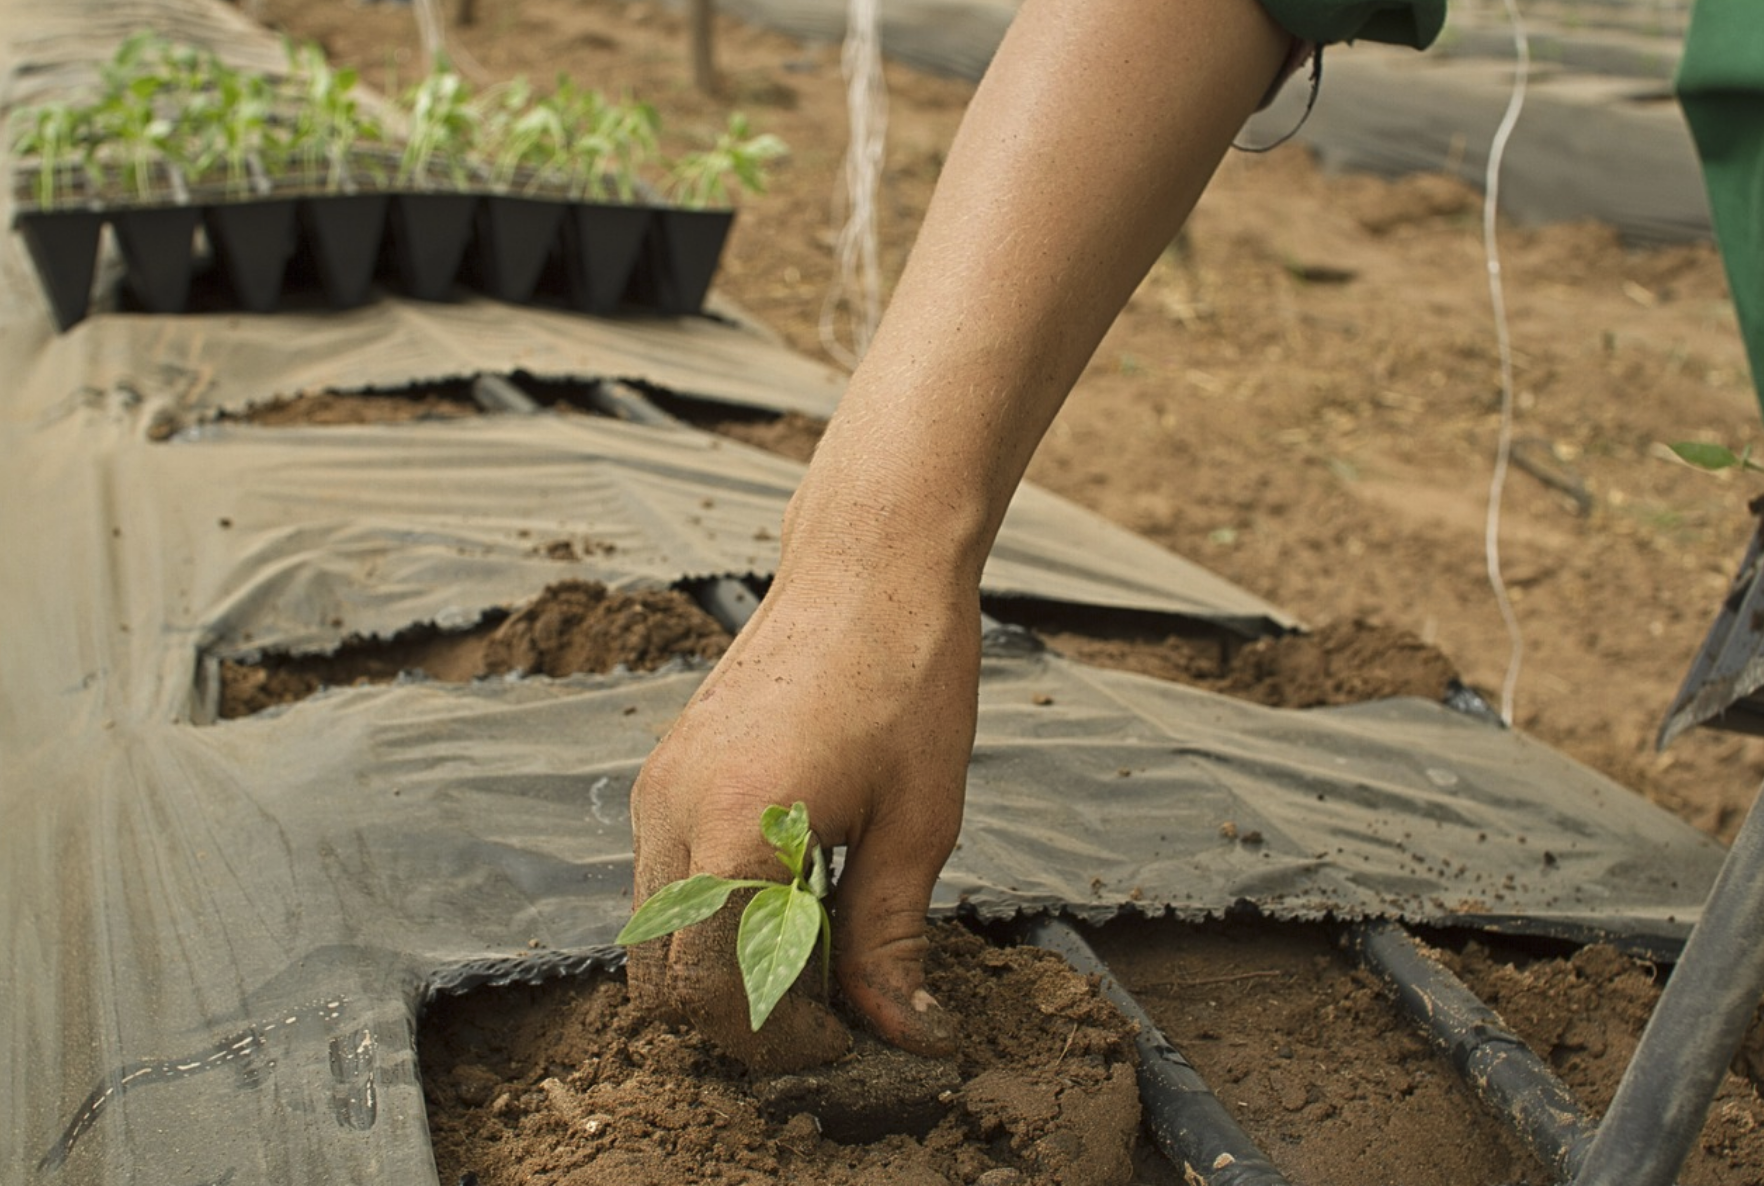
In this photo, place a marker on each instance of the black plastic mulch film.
(228, 931)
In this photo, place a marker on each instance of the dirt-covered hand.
(861, 705)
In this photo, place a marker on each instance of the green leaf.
(778, 931)
(788, 832)
(678, 904)
(1704, 456)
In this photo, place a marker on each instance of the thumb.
(879, 935)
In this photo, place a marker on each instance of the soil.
(337, 408)
(1340, 663)
(572, 627)
(566, 1082)
(1303, 395)
(1306, 1051)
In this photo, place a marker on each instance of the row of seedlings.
(294, 170)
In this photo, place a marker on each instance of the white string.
(431, 31)
(1504, 448)
(856, 291)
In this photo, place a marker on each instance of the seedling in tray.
(331, 125)
(443, 130)
(59, 136)
(778, 927)
(702, 179)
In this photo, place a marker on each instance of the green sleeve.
(1721, 88)
(1401, 22)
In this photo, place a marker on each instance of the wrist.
(877, 526)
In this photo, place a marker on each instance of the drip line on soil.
(1189, 1123)
(1516, 1085)
(622, 401)
(494, 393)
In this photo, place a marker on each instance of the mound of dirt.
(566, 1082)
(1341, 663)
(331, 408)
(570, 628)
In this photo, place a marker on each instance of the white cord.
(857, 288)
(1504, 449)
(431, 31)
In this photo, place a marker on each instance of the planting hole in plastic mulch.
(572, 627)
(328, 409)
(565, 1082)
(1337, 1087)
(1341, 663)
(790, 434)
(325, 408)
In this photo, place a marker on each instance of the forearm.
(1086, 146)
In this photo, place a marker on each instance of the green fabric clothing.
(1721, 88)
(1401, 22)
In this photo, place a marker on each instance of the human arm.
(854, 688)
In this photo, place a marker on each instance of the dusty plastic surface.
(218, 935)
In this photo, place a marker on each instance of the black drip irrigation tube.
(1187, 1120)
(1506, 1075)
(493, 393)
(622, 401)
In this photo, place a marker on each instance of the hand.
(860, 702)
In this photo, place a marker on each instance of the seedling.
(702, 179)
(604, 143)
(53, 133)
(330, 123)
(252, 142)
(443, 128)
(625, 138)
(159, 110)
(778, 927)
(525, 140)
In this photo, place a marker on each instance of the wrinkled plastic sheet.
(219, 934)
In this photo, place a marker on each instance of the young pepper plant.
(443, 127)
(524, 140)
(58, 135)
(779, 926)
(700, 180)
